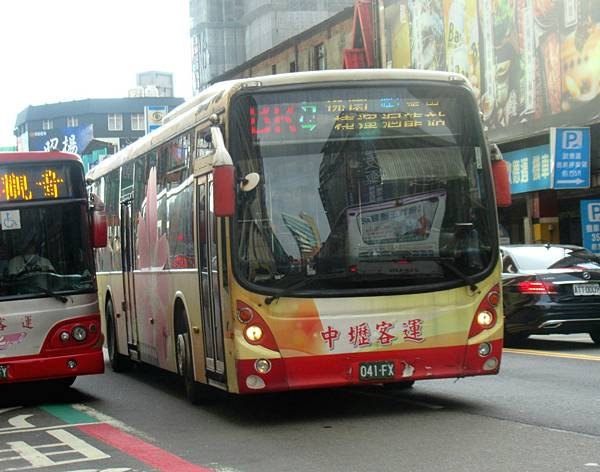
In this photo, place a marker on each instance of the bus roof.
(187, 114)
(36, 156)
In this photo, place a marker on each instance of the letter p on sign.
(572, 139)
(594, 212)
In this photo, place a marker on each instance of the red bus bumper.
(27, 369)
(342, 369)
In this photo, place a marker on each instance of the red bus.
(49, 319)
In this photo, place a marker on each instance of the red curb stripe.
(141, 450)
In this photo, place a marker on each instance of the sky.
(62, 50)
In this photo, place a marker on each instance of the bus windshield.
(44, 250)
(379, 186)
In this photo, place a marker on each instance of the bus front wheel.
(195, 392)
(118, 362)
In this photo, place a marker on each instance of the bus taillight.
(255, 329)
(486, 316)
(74, 333)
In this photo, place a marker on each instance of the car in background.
(550, 289)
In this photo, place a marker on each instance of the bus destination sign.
(32, 183)
(340, 118)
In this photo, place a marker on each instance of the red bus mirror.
(501, 178)
(223, 176)
(224, 190)
(99, 225)
(501, 183)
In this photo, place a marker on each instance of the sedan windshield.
(47, 252)
(389, 186)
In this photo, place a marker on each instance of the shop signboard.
(533, 64)
(68, 139)
(570, 148)
(154, 114)
(529, 169)
(590, 225)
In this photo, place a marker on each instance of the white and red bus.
(50, 325)
(306, 230)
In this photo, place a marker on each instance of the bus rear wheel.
(195, 392)
(118, 362)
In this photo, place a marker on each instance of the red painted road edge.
(141, 450)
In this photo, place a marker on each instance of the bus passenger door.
(128, 307)
(212, 326)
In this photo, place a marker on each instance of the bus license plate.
(3, 371)
(376, 370)
(586, 289)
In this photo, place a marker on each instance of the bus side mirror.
(223, 176)
(224, 190)
(501, 179)
(99, 225)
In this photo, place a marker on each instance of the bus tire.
(118, 362)
(195, 392)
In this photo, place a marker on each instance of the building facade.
(92, 127)
(226, 32)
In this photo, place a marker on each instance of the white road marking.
(68, 444)
(5, 410)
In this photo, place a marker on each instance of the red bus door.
(212, 325)
(127, 258)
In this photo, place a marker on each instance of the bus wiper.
(62, 298)
(450, 264)
(304, 282)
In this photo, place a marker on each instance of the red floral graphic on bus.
(8, 340)
(153, 250)
(152, 284)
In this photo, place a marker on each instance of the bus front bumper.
(337, 370)
(27, 369)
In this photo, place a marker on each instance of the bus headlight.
(254, 333)
(79, 333)
(485, 319)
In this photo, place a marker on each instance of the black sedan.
(548, 289)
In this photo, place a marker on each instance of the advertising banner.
(534, 64)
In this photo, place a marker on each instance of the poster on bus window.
(381, 234)
(533, 64)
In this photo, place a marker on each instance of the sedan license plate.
(376, 370)
(3, 371)
(586, 289)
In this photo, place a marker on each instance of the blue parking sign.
(590, 225)
(570, 149)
